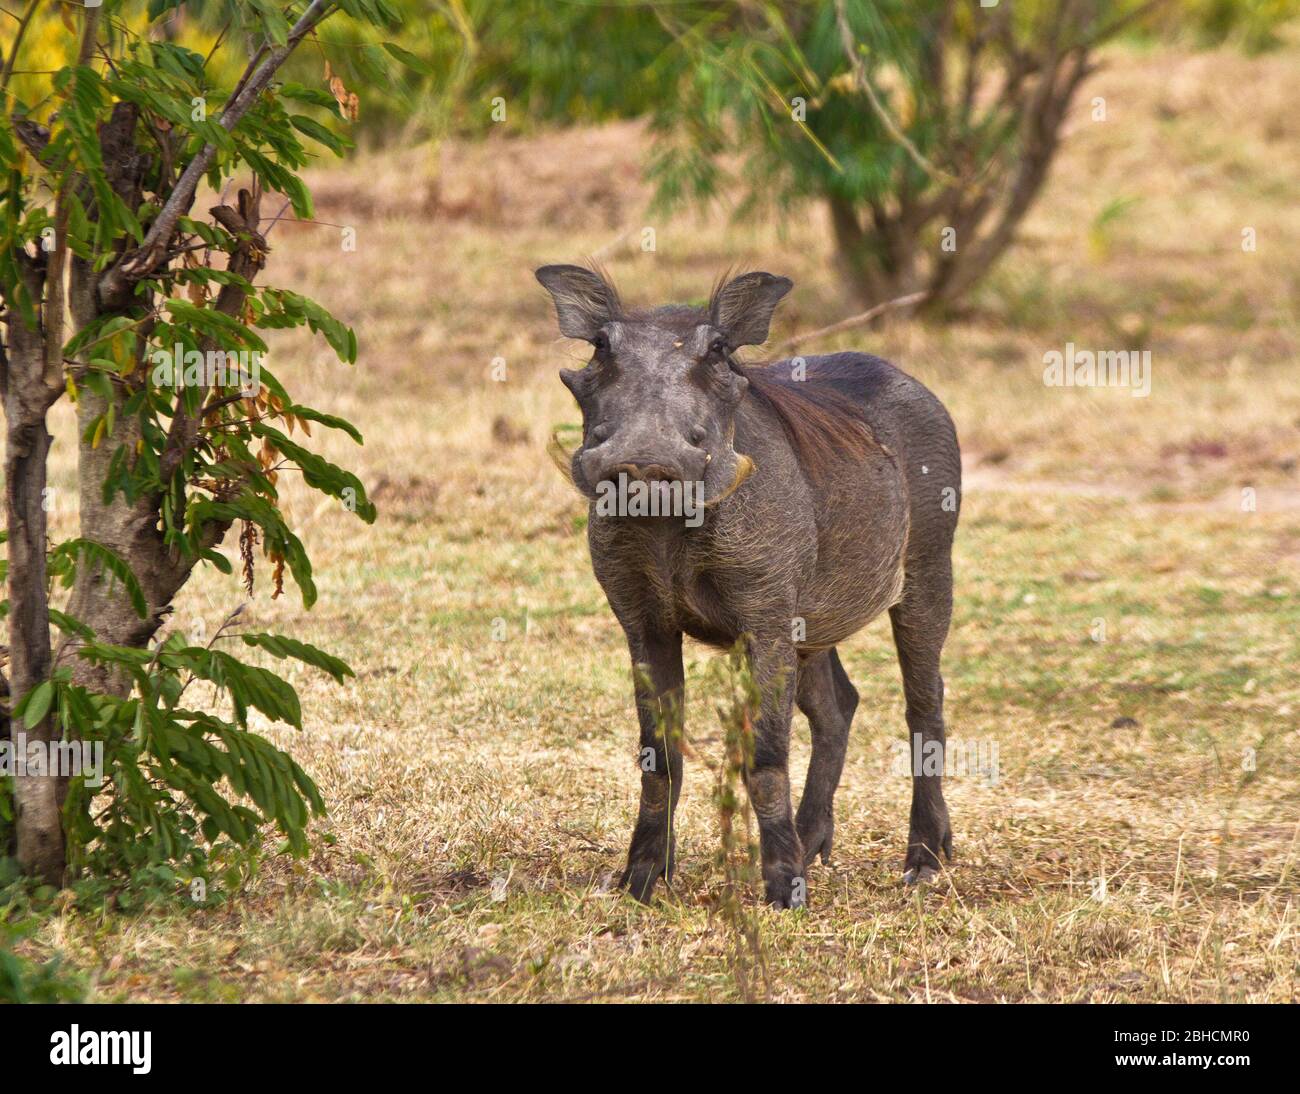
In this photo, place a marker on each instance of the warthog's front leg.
(660, 694)
(773, 663)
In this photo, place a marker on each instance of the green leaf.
(229, 332)
(313, 96)
(277, 27)
(217, 559)
(322, 475)
(277, 536)
(290, 309)
(281, 646)
(37, 704)
(409, 59)
(159, 8)
(249, 686)
(70, 625)
(282, 181)
(330, 420)
(317, 132)
(80, 550)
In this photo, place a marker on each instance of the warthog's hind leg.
(828, 699)
(920, 620)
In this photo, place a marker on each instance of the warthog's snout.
(648, 472)
(608, 461)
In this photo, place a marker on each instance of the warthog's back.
(910, 421)
(881, 510)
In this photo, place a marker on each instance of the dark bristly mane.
(824, 426)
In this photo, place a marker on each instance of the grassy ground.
(1125, 632)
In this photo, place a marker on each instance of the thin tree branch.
(23, 22)
(864, 82)
(854, 320)
(246, 261)
(55, 289)
(116, 282)
(1116, 25)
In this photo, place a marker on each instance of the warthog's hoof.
(815, 836)
(640, 878)
(786, 888)
(924, 842)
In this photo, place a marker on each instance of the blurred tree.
(470, 66)
(928, 126)
(1254, 24)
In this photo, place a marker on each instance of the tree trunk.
(858, 256)
(40, 844)
(128, 530)
(882, 250)
(31, 380)
(1041, 134)
(131, 529)
(878, 262)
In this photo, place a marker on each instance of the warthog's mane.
(823, 425)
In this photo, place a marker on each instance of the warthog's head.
(659, 395)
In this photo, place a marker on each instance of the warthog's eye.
(601, 343)
(712, 372)
(718, 347)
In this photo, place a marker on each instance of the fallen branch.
(854, 320)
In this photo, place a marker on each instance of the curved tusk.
(562, 457)
(744, 468)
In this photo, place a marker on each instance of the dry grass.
(482, 790)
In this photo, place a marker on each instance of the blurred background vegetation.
(581, 61)
(928, 127)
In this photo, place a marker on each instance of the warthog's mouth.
(562, 457)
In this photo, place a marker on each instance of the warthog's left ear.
(584, 301)
(742, 308)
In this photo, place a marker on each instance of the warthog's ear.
(584, 301)
(742, 308)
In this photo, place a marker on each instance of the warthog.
(830, 491)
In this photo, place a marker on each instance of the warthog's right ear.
(584, 301)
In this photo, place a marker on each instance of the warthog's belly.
(860, 552)
(848, 603)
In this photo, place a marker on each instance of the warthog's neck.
(669, 575)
